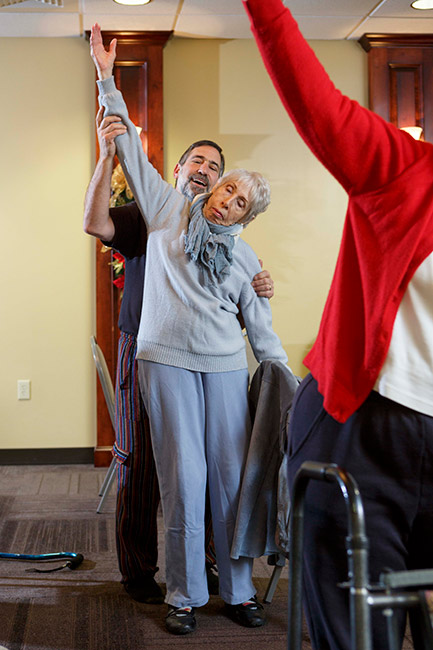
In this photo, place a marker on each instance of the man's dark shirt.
(130, 240)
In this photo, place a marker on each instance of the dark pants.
(137, 485)
(388, 449)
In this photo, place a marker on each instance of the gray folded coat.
(264, 505)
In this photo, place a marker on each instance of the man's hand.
(263, 284)
(102, 58)
(108, 128)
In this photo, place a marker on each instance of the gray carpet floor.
(46, 509)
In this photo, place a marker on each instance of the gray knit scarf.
(208, 244)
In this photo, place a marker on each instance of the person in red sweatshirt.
(368, 403)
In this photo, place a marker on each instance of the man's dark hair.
(204, 143)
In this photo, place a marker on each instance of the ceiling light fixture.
(133, 2)
(422, 4)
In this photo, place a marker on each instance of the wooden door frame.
(138, 74)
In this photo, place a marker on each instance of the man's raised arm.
(97, 220)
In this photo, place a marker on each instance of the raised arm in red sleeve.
(358, 147)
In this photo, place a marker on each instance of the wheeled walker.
(403, 589)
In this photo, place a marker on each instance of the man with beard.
(194, 173)
(197, 171)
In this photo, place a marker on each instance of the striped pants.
(137, 485)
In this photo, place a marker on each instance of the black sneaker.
(213, 583)
(146, 590)
(249, 614)
(180, 620)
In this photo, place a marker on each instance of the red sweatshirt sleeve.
(362, 151)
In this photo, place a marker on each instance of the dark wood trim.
(368, 41)
(128, 38)
(102, 456)
(61, 456)
(107, 300)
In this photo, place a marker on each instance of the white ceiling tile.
(128, 22)
(215, 26)
(39, 25)
(102, 7)
(330, 7)
(402, 8)
(395, 26)
(327, 28)
(32, 6)
(221, 7)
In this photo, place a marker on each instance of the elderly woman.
(192, 360)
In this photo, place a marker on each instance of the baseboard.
(61, 456)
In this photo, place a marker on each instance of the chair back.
(104, 377)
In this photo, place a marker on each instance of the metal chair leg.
(279, 563)
(106, 485)
(108, 477)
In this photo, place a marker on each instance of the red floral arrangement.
(118, 264)
(120, 195)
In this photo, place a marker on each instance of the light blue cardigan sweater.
(183, 322)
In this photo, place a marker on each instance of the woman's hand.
(263, 284)
(102, 58)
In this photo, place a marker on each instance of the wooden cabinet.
(400, 70)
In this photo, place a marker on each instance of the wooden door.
(138, 74)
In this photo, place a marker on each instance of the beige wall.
(46, 304)
(46, 260)
(237, 107)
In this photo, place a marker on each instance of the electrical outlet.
(23, 388)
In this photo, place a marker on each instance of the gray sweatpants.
(200, 428)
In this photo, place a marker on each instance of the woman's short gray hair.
(259, 190)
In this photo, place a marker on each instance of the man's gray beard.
(188, 192)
